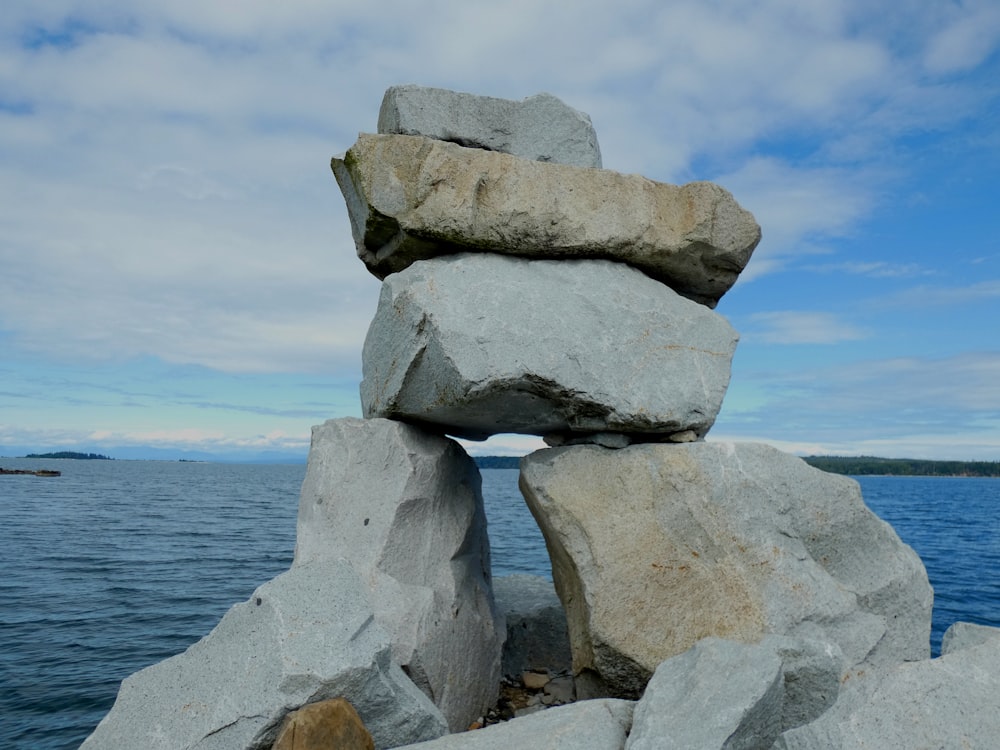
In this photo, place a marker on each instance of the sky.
(178, 276)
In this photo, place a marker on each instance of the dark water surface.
(116, 565)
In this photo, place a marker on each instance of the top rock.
(540, 128)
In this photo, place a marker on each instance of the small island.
(52, 472)
(72, 454)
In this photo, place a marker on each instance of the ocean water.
(116, 565)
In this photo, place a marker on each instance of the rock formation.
(741, 598)
(406, 509)
(948, 702)
(732, 541)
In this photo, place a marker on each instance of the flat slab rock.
(480, 344)
(655, 547)
(540, 127)
(411, 198)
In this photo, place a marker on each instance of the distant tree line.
(866, 465)
(70, 454)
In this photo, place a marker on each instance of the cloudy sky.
(178, 272)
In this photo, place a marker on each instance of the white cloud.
(799, 208)
(946, 408)
(875, 269)
(800, 327)
(179, 439)
(934, 296)
(966, 40)
(954, 445)
(503, 445)
(885, 395)
(164, 182)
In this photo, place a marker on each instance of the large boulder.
(405, 509)
(479, 344)
(723, 694)
(655, 547)
(541, 127)
(948, 702)
(306, 636)
(586, 725)
(411, 198)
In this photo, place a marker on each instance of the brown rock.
(535, 680)
(327, 725)
(411, 198)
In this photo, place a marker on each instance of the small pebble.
(535, 680)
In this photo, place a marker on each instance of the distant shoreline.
(848, 465)
(71, 454)
(903, 467)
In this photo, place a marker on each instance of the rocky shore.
(30, 472)
(705, 595)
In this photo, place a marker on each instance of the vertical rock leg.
(405, 508)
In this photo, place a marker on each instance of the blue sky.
(178, 273)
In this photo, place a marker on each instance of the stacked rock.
(716, 595)
(529, 292)
(532, 293)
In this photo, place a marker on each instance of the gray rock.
(585, 725)
(965, 634)
(561, 689)
(718, 694)
(724, 694)
(603, 439)
(536, 624)
(411, 198)
(655, 547)
(405, 508)
(812, 669)
(949, 702)
(479, 344)
(305, 636)
(541, 127)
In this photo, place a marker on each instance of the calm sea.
(116, 565)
